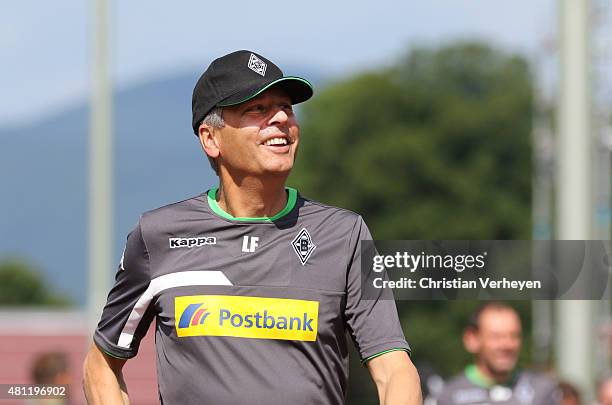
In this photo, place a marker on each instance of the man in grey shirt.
(252, 286)
(493, 336)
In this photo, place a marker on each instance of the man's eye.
(287, 107)
(256, 108)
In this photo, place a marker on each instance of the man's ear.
(208, 140)
(471, 341)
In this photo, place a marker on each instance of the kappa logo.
(257, 65)
(303, 246)
(192, 242)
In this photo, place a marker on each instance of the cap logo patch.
(257, 65)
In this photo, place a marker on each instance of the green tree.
(21, 285)
(435, 147)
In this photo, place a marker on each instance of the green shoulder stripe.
(364, 361)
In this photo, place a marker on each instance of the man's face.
(497, 342)
(605, 393)
(260, 136)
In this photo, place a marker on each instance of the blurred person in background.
(493, 337)
(604, 391)
(50, 369)
(569, 394)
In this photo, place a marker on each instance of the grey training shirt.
(247, 310)
(524, 388)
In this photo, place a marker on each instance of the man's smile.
(278, 143)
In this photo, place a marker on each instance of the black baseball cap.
(238, 77)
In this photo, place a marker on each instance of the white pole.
(602, 163)
(543, 145)
(100, 167)
(574, 198)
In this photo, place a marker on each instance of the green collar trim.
(477, 378)
(214, 206)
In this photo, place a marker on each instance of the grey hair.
(214, 119)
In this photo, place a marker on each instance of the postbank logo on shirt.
(246, 317)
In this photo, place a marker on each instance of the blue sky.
(44, 46)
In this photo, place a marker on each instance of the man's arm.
(103, 380)
(396, 378)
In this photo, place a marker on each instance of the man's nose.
(280, 117)
(510, 342)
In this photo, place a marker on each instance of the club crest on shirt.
(303, 245)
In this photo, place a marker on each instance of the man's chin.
(503, 369)
(278, 170)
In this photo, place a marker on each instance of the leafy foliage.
(20, 285)
(434, 147)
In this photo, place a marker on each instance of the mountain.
(43, 173)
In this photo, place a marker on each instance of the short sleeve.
(373, 323)
(127, 314)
